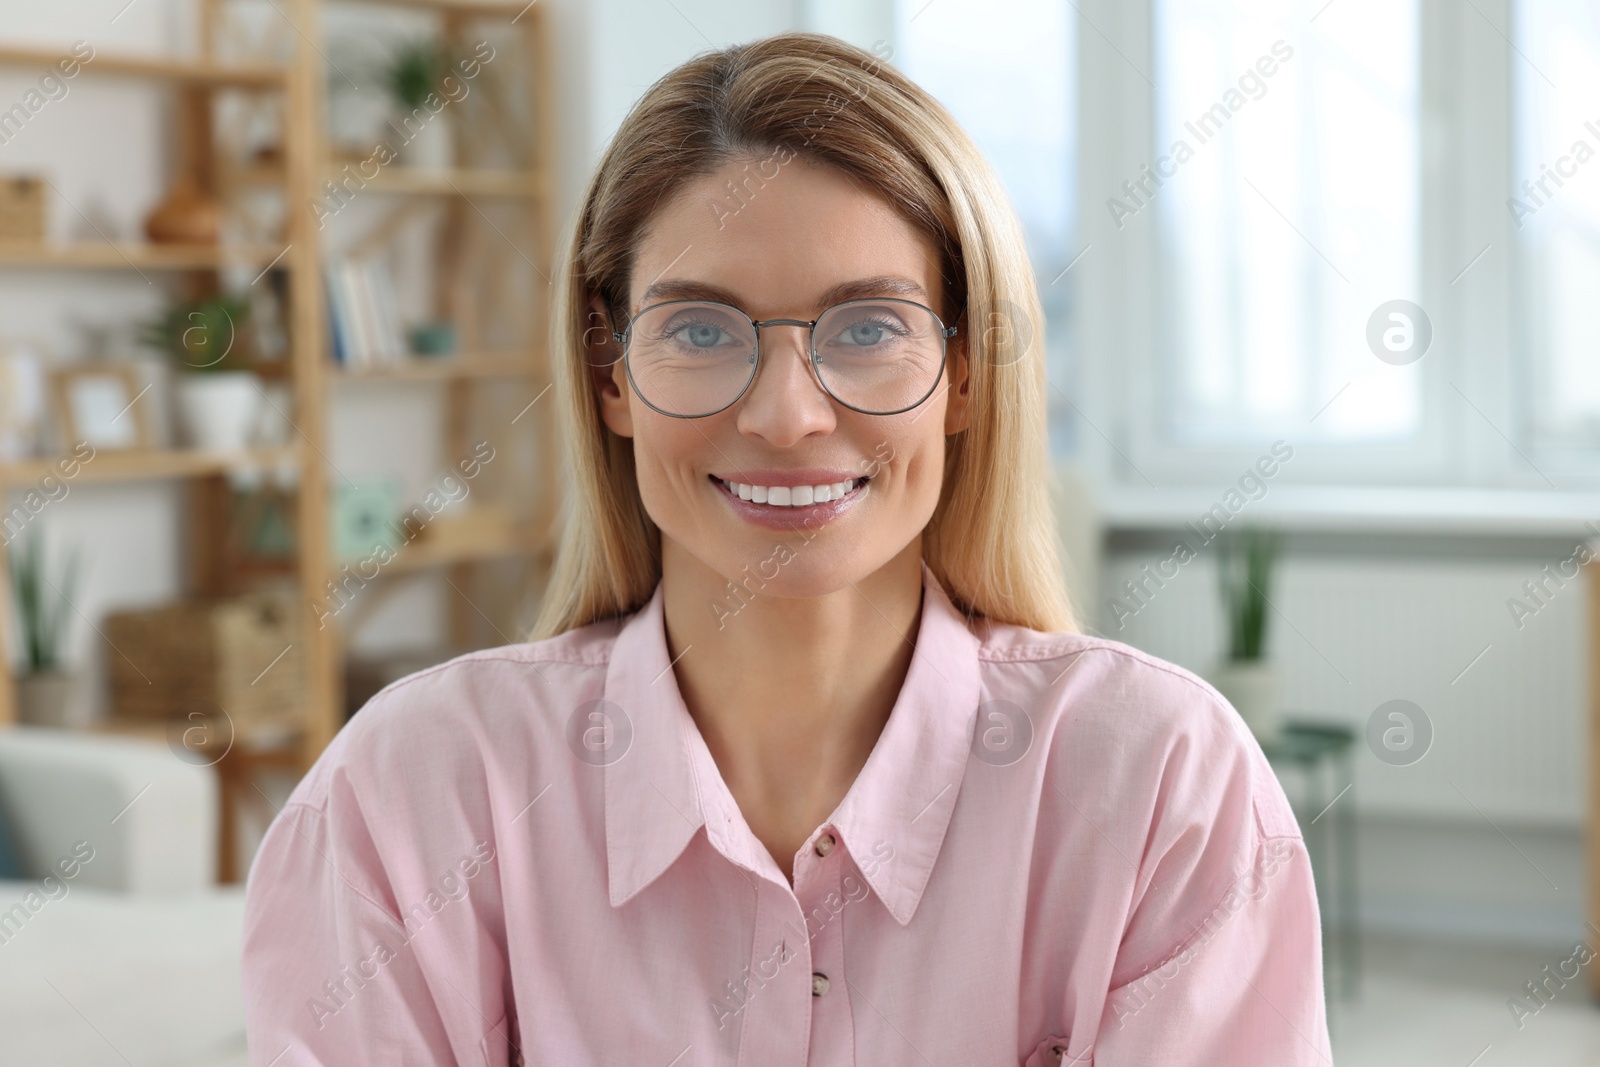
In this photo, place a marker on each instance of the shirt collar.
(663, 785)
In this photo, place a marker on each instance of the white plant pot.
(431, 146)
(51, 698)
(221, 410)
(1251, 686)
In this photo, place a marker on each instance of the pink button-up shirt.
(1061, 850)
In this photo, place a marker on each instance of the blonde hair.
(992, 541)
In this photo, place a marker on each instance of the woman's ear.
(959, 396)
(607, 375)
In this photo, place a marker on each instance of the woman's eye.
(868, 333)
(700, 335)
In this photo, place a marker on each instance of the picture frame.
(98, 403)
(22, 399)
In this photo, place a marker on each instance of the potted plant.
(46, 690)
(1249, 681)
(219, 399)
(415, 72)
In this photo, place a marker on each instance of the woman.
(805, 763)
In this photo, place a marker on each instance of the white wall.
(611, 51)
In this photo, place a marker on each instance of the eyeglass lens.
(878, 356)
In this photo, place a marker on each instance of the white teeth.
(791, 496)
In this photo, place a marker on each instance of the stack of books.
(363, 312)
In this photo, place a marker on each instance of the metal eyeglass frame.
(945, 333)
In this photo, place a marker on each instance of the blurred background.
(1319, 278)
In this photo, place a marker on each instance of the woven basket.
(21, 208)
(240, 656)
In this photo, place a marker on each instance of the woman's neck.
(790, 693)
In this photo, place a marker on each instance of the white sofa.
(134, 958)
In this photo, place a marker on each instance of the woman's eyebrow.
(685, 289)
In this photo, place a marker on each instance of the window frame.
(1476, 421)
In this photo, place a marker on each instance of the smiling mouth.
(796, 496)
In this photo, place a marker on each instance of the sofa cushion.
(90, 976)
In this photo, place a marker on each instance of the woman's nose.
(786, 402)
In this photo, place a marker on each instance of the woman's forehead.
(800, 236)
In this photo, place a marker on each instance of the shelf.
(123, 255)
(399, 179)
(495, 8)
(231, 173)
(1375, 510)
(456, 181)
(241, 75)
(444, 368)
(142, 465)
(511, 539)
(281, 733)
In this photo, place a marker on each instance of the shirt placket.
(818, 877)
(777, 1014)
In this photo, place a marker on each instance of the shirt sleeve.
(333, 976)
(1244, 989)
(1221, 958)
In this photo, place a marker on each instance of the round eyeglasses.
(693, 358)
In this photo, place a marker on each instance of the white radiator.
(1350, 632)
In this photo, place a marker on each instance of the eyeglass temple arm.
(612, 315)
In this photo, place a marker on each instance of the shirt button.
(825, 844)
(819, 984)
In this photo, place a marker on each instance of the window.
(1222, 196)
(1554, 203)
(1285, 183)
(1005, 70)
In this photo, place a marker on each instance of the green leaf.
(44, 607)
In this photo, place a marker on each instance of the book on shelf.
(364, 312)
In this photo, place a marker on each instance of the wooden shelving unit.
(479, 365)
(306, 164)
(455, 182)
(136, 255)
(202, 71)
(152, 465)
